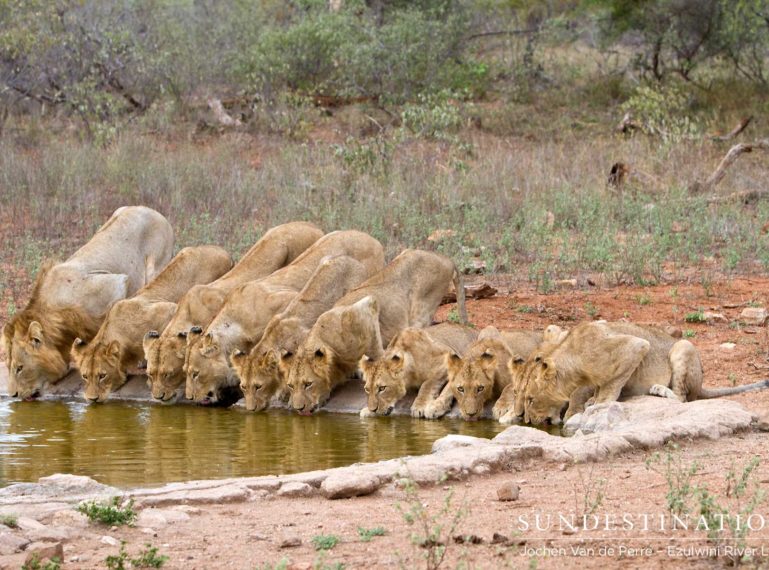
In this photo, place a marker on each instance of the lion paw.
(433, 412)
(509, 418)
(662, 391)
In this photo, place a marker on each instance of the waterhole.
(132, 444)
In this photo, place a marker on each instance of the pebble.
(508, 491)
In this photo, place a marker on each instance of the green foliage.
(117, 561)
(149, 558)
(695, 317)
(281, 565)
(11, 521)
(35, 564)
(678, 476)
(663, 111)
(110, 513)
(325, 541)
(433, 530)
(366, 534)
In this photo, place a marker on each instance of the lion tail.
(706, 394)
(459, 286)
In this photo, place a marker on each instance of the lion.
(482, 373)
(414, 359)
(616, 360)
(242, 320)
(165, 352)
(259, 373)
(509, 406)
(104, 362)
(71, 299)
(406, 293)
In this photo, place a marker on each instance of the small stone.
(727, 345)
(675, 332)
(149, 531)
(508, 491)
(712, 317)
(257, 536)
(11, 543)
(44, 551)
(499, 538)
(346, 483)
(567, 530)
(69, 518)
(109, 541)
(290, 540)
(295, 489)
(26, 523)
(756, 316)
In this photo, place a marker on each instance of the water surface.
(133, 444)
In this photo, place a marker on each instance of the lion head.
(207, 369)
(308, 376)
(100, 367)
(472, 378)
(260, 376)
(543, 401)
(165, 363)
(33, 358)
(384, 381)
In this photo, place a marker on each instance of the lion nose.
(92, 399)
(300, 409)
(210, 395)
(15, 395)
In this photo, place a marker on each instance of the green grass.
(11, 521)
(695, 317)
(325, 541)
(366, 534)
(110, 513)
(35, 564)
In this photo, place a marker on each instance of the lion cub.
(616, 360)
(482, 373)
(415, 358)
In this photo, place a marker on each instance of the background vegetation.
(494, 119)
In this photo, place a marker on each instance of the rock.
(295, 489)
(149, 531)
(508, 491)
(264, 484)
(26, 523)
(290, 540)
(346, 483)
(63, 487)
(70, 519)
(762, 422)
(233, 493)
(711, 317)
(11, 543)
(44, 551)
(499, 538)
(109, 540)
(675, 332)
(50, 534)
(755, 316)
(727, 345)
(453, 441)
(257, 536)
(158, 518)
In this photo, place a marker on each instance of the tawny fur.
(240, 323)
(71, 299)
(414, 360)
(165, 353)
(105, 362)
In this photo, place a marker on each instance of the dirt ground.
(249, 535)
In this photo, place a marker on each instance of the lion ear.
(366, 363)
(113, 350)
(396, 363)
(548, 367)
(453, 363)
(238, 360)
(488, 361)
(78, 345)
(35, 333)
(194, 334)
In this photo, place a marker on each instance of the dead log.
(742, 125)
(698, 187)
(480, 291)
(745, 197)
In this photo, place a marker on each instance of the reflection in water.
(128, 444)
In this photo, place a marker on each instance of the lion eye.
(291, 387)
(19, 368)
(479, 389)
(461, 389)
(366, 389)
(307, 385)
(85, 377)
(381, 388)
(257, 386)
(102, 376)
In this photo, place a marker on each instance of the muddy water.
(126, 444)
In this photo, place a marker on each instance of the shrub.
(110, 513)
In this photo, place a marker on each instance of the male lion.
(165, 352)
(406, 293)
(260, 377)
(616, 359)
(105, 361)
(70, 299)
(414, 359)
(482, 373)
(509, 407)
(242, 320)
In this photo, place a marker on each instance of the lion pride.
(244, 316)
(165, 352)
(259, 373)
(105, 361)
(406, 293)
(70, 299)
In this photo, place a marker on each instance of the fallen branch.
(746, 197)
(743, 124)
(481, 291)
(734, 153)
(221, 115)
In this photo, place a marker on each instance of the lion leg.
(428, 392)
(441, 405)
(504, 403)
(662, 392)
(633, 350)
(686, 366)
(579, 400)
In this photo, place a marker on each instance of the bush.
(109, 514)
